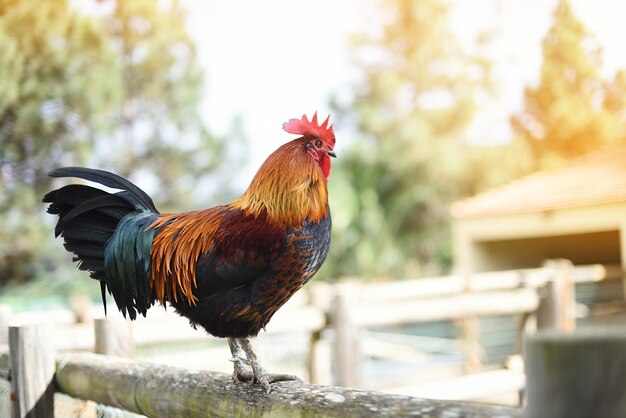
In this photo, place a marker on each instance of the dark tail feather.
(88, 218)
(103, 293)
(94, 204)
(110, 180)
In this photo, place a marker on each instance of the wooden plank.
(82, 308)
(477, 282)
(32, 361)
(497, 280)
(5, 398)
(557, 307)
(450, 307)
(156, 390)
(319, 359)
(468, 330)
(408, 289)
(114, 337)
(612, 272)
(4, 358)
(576, 374)
(347, 355)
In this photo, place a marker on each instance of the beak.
(331, 153)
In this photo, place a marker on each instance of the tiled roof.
(597, 178)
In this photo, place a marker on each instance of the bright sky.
(268, 61)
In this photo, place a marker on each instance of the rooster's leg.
(240, 374)
(260, 374)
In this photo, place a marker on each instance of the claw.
(266, 386)
(260, 376)
(266, 379)
(242, 346)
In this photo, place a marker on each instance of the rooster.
(227, 269)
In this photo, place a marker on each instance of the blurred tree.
(392, 188)
(158, 129)
(572, 110)
(114, 84)
(615, 101)
(57, 75)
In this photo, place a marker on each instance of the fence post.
(5, 317)
(347, 355)
(576, 374)
(114, 337)
(82, 307)
(468, 331)
(320, 352)
(32, 365)
(557, 306)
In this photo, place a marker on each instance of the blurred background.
(461, 127)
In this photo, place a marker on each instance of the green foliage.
(52, 56)
(572, 110)
(57, 75)
(391, 189)
(118, 87)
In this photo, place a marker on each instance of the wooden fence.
(542, 298)
(34, 375)
(538, 296)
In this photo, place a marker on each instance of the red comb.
(305, 127)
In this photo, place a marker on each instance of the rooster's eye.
(318, 143)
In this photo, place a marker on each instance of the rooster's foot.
(240, 373)
(261, 376)
(265, 379)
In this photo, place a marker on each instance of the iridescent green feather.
(127, 263)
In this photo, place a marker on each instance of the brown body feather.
(288, 190)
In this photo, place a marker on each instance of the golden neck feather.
(289, 187)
